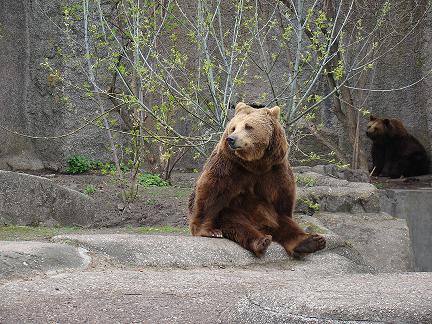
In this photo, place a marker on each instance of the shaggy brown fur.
(395, 152)
(246, 192)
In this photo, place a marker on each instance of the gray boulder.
(185, 252)
(415, 207)
(24, 259)
(382, 240)
(317, 192)
(32, 200)
(218, 296)
(365, 298)
(332, 170)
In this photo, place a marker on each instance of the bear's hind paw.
(311, 244)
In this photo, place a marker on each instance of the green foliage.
(305, 181)
(110, 168)
(160, 229)
(313, 206)
(79, 164)
(89, 189)
(379, 185)
(310, 227)
(29, 233)
(365, 112)
(339, 70)
(329, 158)
(151, 202)
(149, 179)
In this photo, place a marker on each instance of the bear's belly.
(254, 208)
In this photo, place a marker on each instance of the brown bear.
(246, 192)
(395, 153)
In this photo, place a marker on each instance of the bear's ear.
(275, 112)
(241, 106)
(372, 118)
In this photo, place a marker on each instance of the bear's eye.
(248, 127)
(233, 129)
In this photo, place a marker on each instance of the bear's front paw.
(259, 246)
(209, 233)
(310, 244)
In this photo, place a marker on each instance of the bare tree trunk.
(343, 104)
(100, 104)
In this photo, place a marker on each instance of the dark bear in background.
(246, 191)
(395, 153)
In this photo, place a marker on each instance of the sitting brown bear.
(395, 152)
(246, 192)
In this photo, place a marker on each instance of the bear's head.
(254, 133)
(381, 129)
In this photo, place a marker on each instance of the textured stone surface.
(32, 200)
(333, 171)
(382, 240)
(335, 195)
(219, 296)
(30, 102)
(384, 298)
(26, 259)
(14, 69)
(165, 279)
(169, 251)
(415, 207)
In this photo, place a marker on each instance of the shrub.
(89, 189)
(79, 164)
(110, 168)
(148, 179)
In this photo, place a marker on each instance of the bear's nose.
(231, 141)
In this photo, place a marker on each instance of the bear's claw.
(211, 233)
(311, 244)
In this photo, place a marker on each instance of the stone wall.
(31, 104)
(14, 86)
(405, 64)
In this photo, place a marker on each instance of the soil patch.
(154, 206)
(167, 206)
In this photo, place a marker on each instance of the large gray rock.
(334, 195)
(203, 280)
(25, 259)
(218, 296)
(382, 240)
(32, 102)
(384, 298)
(170, 251)
(32, 200)
(14, 68)
(415, 207)
(332, 170)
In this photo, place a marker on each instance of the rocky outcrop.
(27, 259)
(382, 240)
(185, 252)
(32, 200)
(385, 298)
(318, 192)
(198, 280)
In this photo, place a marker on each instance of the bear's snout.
(231, 141)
